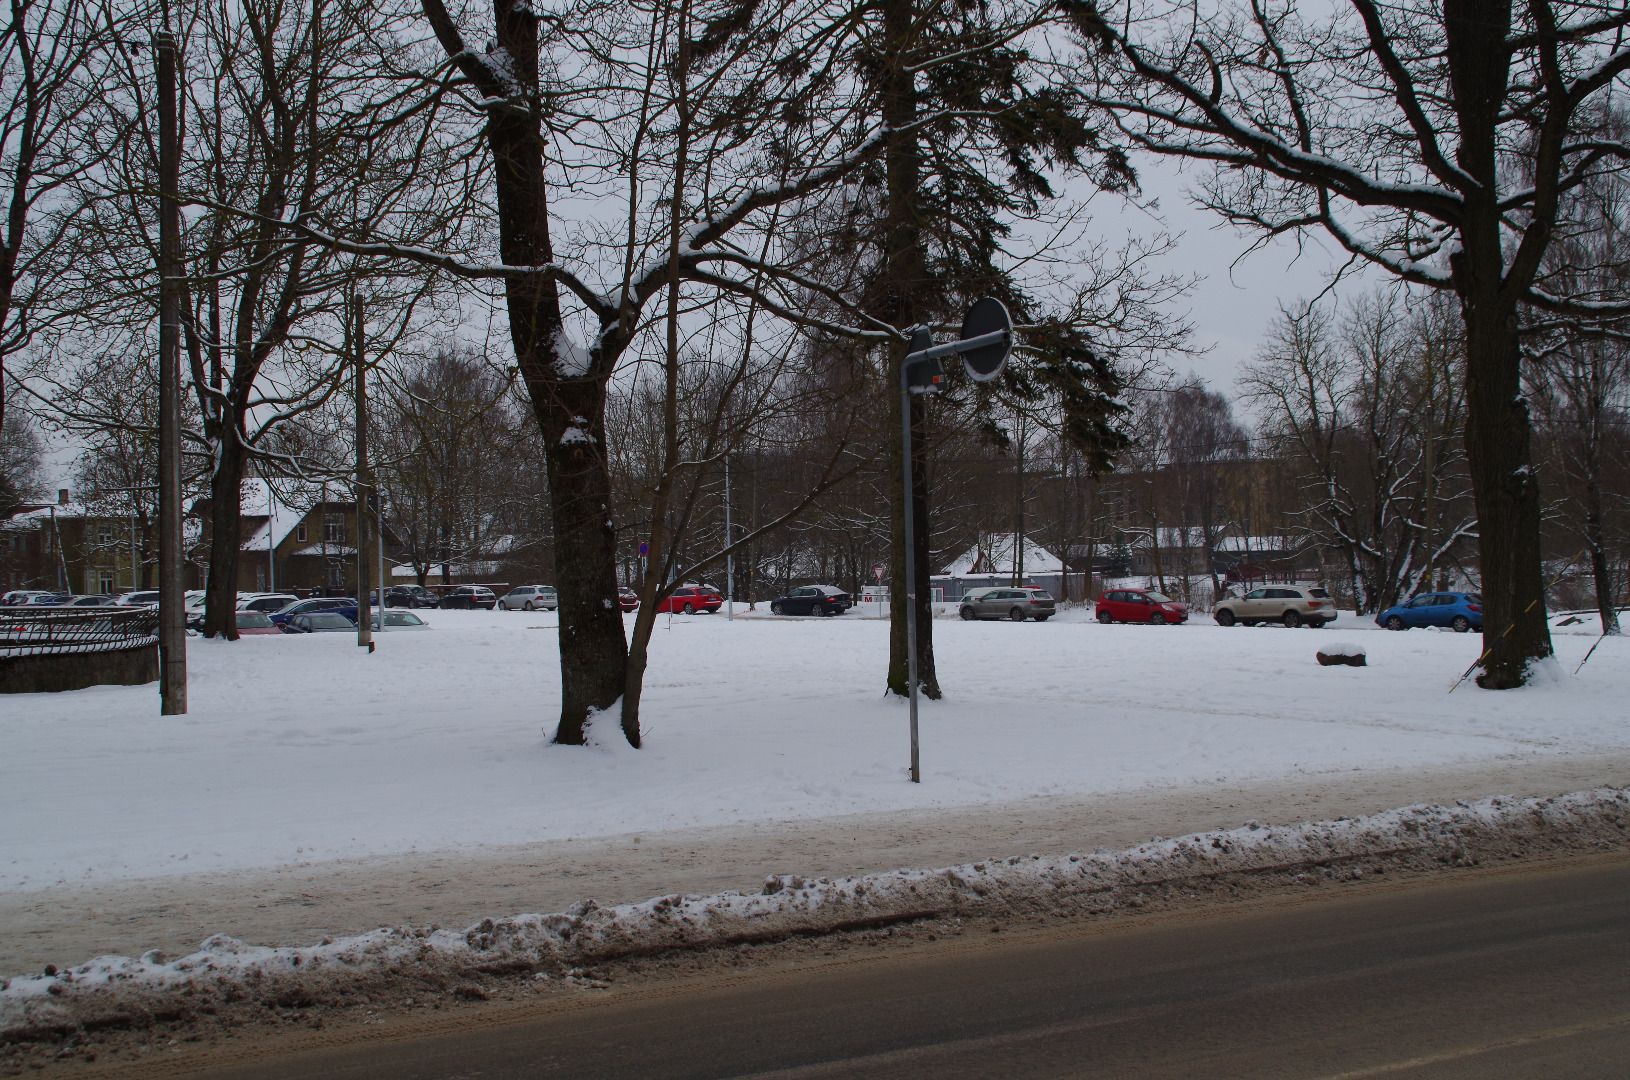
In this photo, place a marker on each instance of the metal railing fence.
(47, 633)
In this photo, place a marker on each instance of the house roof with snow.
(270, 515)
(34, 513)
(994, 555)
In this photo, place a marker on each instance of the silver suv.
(1019, 604)
(1293, 605)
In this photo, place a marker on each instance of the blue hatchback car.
(1459, 611)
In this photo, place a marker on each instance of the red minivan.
(1139, 605)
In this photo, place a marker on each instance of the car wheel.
(775, 609)
(1292, 619)
(1157, 619)
(690, 608)
(1395, 623)
(967, 614)
(1017, 614)
(1225, 618)
(527, 606)
(1106, 618)
(1461, 624)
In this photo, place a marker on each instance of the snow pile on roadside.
(119, 990)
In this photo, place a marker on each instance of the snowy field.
(301, 749)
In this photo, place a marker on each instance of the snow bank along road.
(228, 983)
(1517, 974)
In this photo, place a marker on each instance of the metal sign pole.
(379, 544)
(364, 485)
(730, 556)
(911, 565)
(172, 625)
(987, 338)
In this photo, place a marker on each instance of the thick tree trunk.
(568, 397)
(904, 278)
(226, 536)
(927, 678)
(1504, 487)
(1507, 498)
(593, 653)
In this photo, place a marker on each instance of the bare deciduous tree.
(1441, 144)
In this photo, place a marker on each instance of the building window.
(300, 536)
(334, 528)
(260, 579)
(104, 533)
(336, 575)
(104, 581)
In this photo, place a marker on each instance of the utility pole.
(172, 626)
(364, 489)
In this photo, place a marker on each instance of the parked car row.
(1288, 605)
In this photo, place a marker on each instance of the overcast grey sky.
(1233, 304)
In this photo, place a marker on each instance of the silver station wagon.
(1017, 604)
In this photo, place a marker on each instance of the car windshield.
(1038, 594)
(1320, 593)
(1158, 598)
(1474, 598)
(328, 621)
(403, 618)
(252, 620)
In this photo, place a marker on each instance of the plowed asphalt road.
(1515, 973)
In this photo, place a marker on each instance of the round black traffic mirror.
(988, 315)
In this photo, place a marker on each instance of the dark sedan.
(813, 600)
(319, 622)
(409, 596)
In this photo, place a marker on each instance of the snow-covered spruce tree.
(1437, 142)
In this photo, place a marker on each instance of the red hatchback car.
(690, 599)
(1140, 605)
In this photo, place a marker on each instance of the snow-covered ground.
(301, 749)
